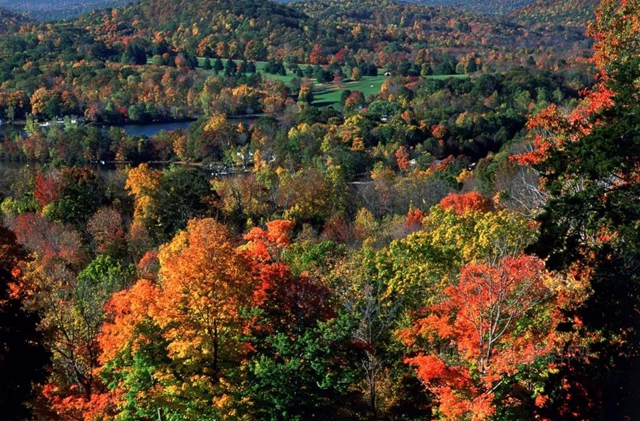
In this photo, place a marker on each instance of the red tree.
(489, 325)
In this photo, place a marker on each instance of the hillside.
(10, 21)
(378, 25)
(184, 24)
(58, 9)
(556, 12)
(378, 31)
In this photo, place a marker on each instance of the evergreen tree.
(218, 66)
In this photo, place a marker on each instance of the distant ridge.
(487, 7)
(46, 10)
(557, 12)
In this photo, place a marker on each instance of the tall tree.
(22, 355)
(589, 163)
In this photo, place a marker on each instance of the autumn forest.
(319, 210)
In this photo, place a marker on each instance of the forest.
(376, 211)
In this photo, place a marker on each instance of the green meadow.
(328, 94)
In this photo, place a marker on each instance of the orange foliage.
(615, 31)
(552, 127)
(265, 245)
(317, 55)
(203, 288)
(127, 310)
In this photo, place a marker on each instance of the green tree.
(218, 66)
(589, 226)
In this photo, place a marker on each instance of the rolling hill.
(556, 12)
(489, 7)
(186, 23)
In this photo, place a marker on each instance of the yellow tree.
(143, 183)
(204, 285)
(167, 351)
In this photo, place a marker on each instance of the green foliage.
(181, 196)
(104, 275)
(590, 221)
(312, 257)
(307, 376)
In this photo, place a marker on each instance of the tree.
(22, 355)
(171, 347)
(306, 94)
(364, 292)
(588, 227)
(230, 68)
(218, 65)
(317, 55)
(355, 74)
(182, 195)
(587, 158)
(81, 194)
(143, 184)
(462, 203)
(106, 227)
(489, 326)
(255, 51)
(297, 367)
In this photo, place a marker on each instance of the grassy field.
(328, 94)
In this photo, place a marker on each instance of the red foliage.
(402, 157)
(48, 239)
(337, 229)
(462, 203)
(47, 188)
(486, 326)
(414, 219)
(317, 55)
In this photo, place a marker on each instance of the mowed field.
(328, 94)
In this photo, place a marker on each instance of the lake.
(153, 128)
